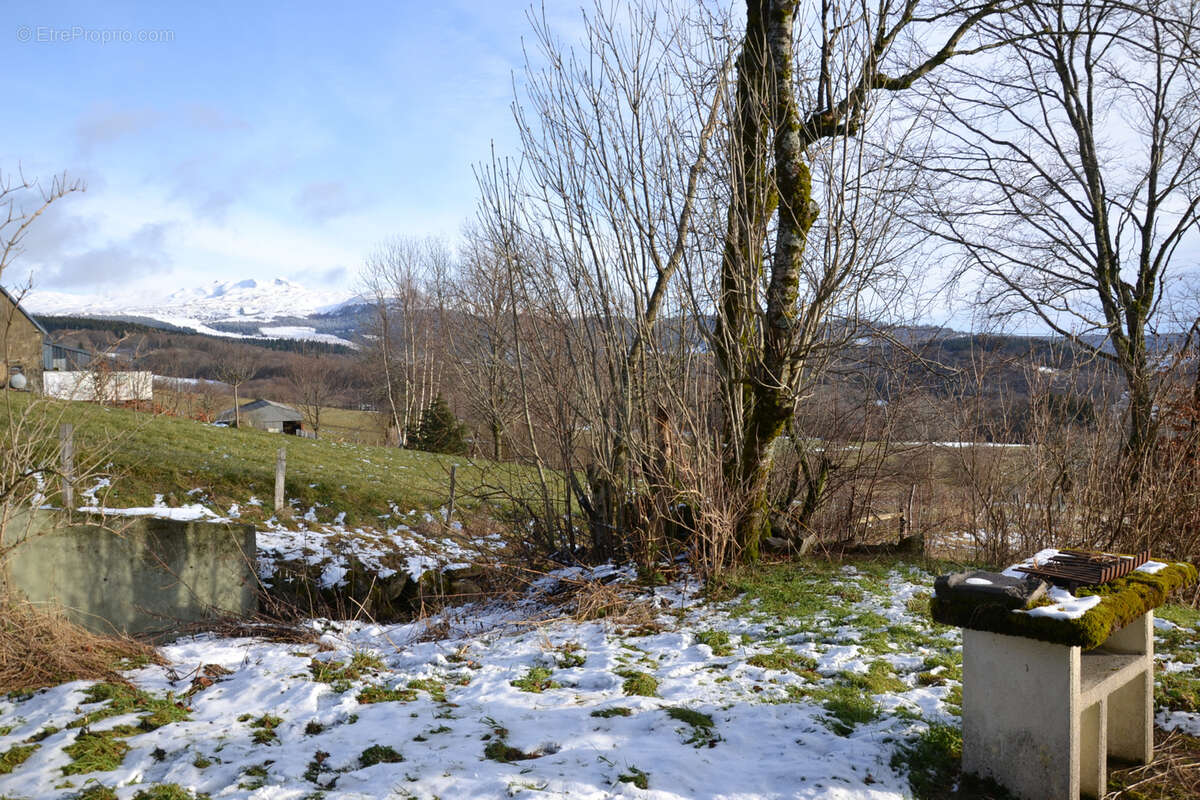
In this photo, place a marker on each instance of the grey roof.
(263, 410)
(28, 316)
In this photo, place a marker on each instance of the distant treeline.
(121, 328)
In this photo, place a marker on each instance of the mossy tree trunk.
(766, 330)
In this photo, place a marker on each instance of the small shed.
(266, 416)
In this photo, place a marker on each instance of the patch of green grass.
(97, 791)
(940, 669)
(615, 711)
(783, 591)
(258, 776)
(1177, 691)
(201, 761)
(892, 638)
(264, 729)
(44, 733)
(933, 763)
(641, 684)
(500, 750)
(379, 754)
(868, 620)
(918, 606)
(1179, 641)
(382, 694)
(342, 675)
(784, 659)
(703, 729)
(168, 791)
(124, 699)
(954, 700)
(880, 678)
(436, 689)
(845, 707)
(15, 756)
(635, 776)
(1180, 615)
(536, 680)
(316, 767)
(717, 640)
(313, 728)
(102, 751)
(571, 655)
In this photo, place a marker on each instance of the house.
(266, 416)
(22, 344)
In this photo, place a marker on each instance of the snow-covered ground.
(518, 700)
(383, 551)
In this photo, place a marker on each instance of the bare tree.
(630, 150)
(30, 448)
(482, 339)
(235, 365)
(1070, 175)
(407, 280)
(314, 383)
(777, 301)
(593, 230)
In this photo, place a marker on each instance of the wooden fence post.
(450, 505)
(66, 441)
(280, 472)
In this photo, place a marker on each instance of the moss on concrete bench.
(1117, 604)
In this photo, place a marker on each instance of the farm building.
(22, 344)
(266, 416)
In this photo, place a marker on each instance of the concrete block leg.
(1131, 720)
(1092, 750)
(1131, 707)
(1021, 714)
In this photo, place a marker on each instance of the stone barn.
(266, 416)
(22, 339)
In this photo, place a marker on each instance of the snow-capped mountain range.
(277, 308)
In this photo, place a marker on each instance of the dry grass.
(1173, 775)
(621, 605)
(40, 647)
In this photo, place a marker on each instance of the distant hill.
(276, 309)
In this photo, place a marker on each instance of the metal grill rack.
(1074, 568)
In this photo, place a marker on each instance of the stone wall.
(136, 575)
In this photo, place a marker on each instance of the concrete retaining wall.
(146, 576)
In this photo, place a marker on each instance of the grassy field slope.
(188, 461)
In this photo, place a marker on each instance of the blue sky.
(286, 139)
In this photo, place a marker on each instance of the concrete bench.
(1056, 681)
(1042, 719)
